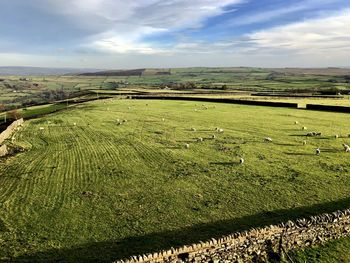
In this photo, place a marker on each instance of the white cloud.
(123, 24)
(330, 34)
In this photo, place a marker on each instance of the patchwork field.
(19, 91)
(101, 189)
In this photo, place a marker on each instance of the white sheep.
(267, 139)
(304, 128)
(75, 124)
(336, 136)
(346, 147)
(118, 120)
(187, 146)
(296, 122)
(193, 129)
(41, 128)
(163, 119)
(125, 120)
(318, 151)
(220, 130)
(213, 136)
(241, 161)
(200, 139)
(304, 142)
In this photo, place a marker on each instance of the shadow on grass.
(286, 144)
(299, 154)
(111, 250)
(225, 163)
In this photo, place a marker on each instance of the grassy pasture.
(333, 251)
(99, 189)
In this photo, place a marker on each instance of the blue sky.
(175, 33)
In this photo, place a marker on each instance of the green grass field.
(333, 251)
(101, 190)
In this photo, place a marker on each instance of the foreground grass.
(337, 251)
(101, 191)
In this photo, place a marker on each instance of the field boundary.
(221, 100)
(10, 130)
(7, 134)
(331, 108)
(258, 243)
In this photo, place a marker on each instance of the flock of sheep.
(346, 147)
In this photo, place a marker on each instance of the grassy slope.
(332, 252)
(101, 190)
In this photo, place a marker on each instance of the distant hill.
(26, 71)
(130, 72)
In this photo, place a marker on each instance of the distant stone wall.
(258, 243)
(332, 108)
(10, 130)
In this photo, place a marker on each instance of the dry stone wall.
(258, 244)
(7, 134)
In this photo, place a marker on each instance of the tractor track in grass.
(107, 181)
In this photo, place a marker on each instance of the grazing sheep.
(346, 147)
(41, 128)
(75, 124)
(193, 129)
(125, 120)
(304, 142)
(118, 120)
(336, 136)
(296, 122)
(129, 108)
(187, 146)
(119, 123)
(267, 139)
(163, 119)
(221, 130)
(195, 110)
(200, 139)
(318, 151)
(213, 136)
(304, 128)
(241, 161)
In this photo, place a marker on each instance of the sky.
(115, 34)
